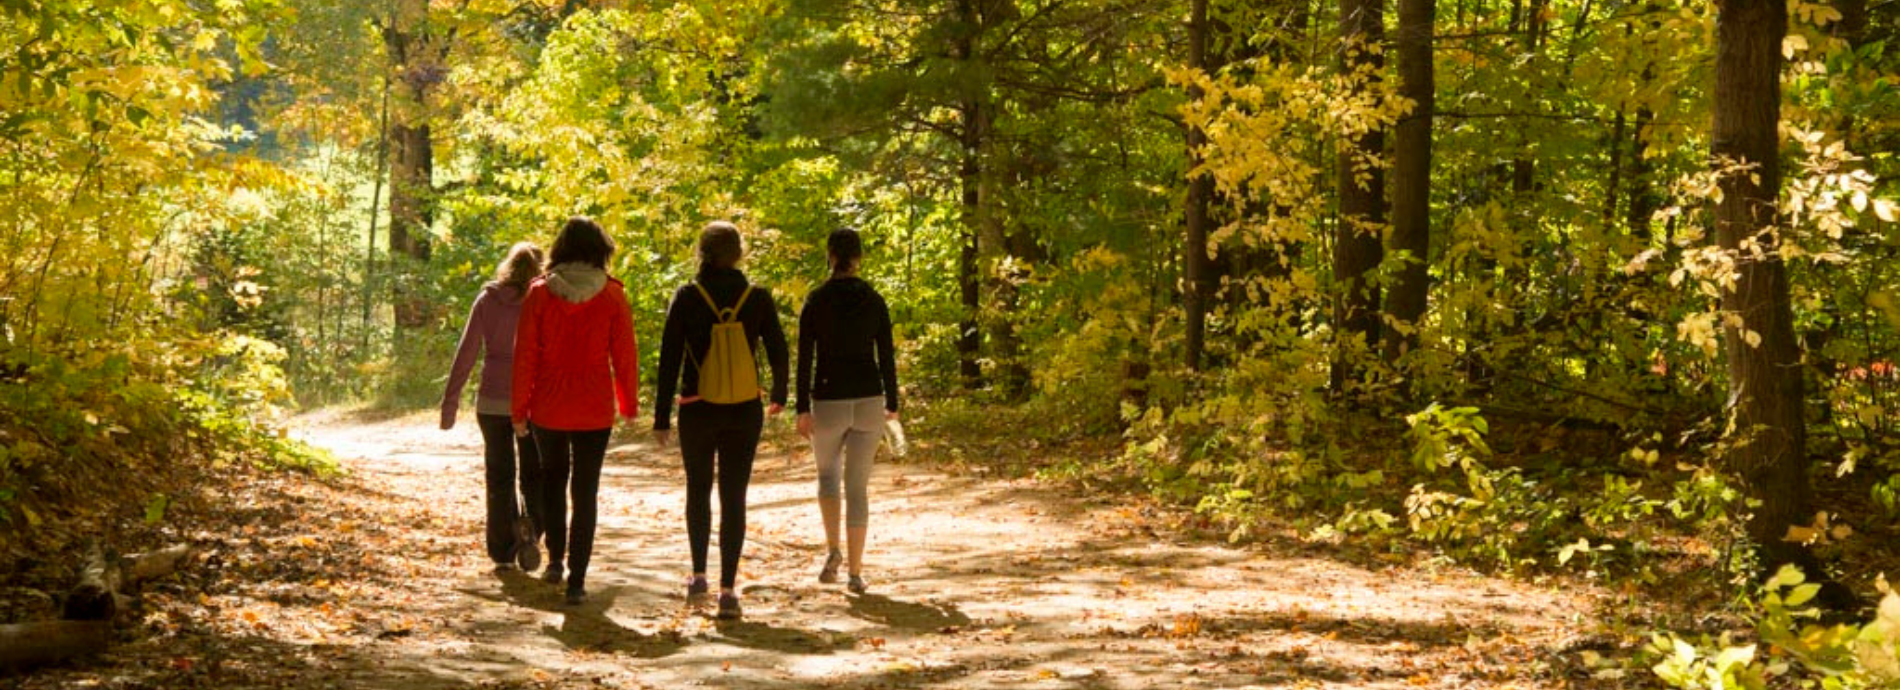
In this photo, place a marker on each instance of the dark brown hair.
(583, 242)
(521, 265)
(719, 246)
(845, 248)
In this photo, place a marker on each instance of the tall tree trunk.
(411, 170)
(416, 61)
(1767, 434)
(974, 117)
(1643, 197)
(1200, 193)
(999, 263)
(375, 213)
(1614, 187)
(1357, 250)
(1412, 178)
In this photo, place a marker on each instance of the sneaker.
(856, 585)
(728, 606)
(696, 589)
(552, 575)
(576, 595)
(527, 547)
(829, 573)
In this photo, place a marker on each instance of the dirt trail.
(975, 583)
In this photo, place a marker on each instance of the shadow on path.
(883, 610)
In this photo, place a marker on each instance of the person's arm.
(672, 346)
(527, 354)
(623, 350)
(807, 349)
(886, 356)
(775, 355)
(466, 350)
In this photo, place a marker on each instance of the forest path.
(379, 580)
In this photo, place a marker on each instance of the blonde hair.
(521, 265)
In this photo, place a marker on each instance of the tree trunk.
(415, 56)
(1412, 179)
(1614, 187)
(97, 597)
(411, 169)
(1357, 250)
(1200, 193)
(375, 211)
(974, 116)
(997, 254)
(1767, 434)
(26, 645)
(1643, 200)
(1852, 26)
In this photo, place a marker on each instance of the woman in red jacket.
(574, 359)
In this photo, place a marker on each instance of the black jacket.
(689, 323)
(846, 328)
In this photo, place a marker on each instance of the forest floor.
(378, 579)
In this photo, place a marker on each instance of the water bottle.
(894, 435)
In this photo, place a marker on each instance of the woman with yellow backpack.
(708, 355)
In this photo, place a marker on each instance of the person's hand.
(804, 425)
(448, 419)
(774, 409)
(521, 429)
(662, 437)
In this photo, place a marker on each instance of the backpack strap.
(724, 315)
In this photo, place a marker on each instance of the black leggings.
(730, 432)
(585, 450)
(500, 450)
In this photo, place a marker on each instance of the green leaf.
(1733, 657)
(155, 508)
(1801, 594)
(1787, 576)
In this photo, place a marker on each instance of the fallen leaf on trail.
(1046, 674)
(725, 666)
(1185, 625)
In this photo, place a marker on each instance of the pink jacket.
(491, 332)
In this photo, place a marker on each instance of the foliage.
(183, 178)
(1839, 656)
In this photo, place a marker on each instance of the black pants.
(582, 452)
(500, 452)
(725, 437)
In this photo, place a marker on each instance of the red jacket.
(574, 360)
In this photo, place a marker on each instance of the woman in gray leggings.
(843, 401)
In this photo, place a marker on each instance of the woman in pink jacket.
(512, 529)
(574, 360)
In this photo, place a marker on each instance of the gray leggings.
(844, 437)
